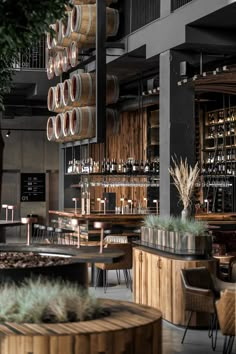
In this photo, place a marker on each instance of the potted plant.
(42, 316)
(176, 235)
(184, 177)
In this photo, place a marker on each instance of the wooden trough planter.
(129, 329)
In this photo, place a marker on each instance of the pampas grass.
(184, 177)
(40, 300)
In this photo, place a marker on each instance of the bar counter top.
(217, 218)
(100, 217)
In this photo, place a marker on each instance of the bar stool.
(41, 233)
(50, 234)
(102, 226)
(35, 230)
(61, 234)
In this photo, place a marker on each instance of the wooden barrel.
(51, 99)
(50, 68)
(60, 39)
(66, 96)
(66, 124)
(129, 329)
(74, 54)
(59, 127)
(58, 62)
(84, 2)
(83, 122)
(51, 129)
(59, 98)
(66, 29)
(66, 59)
(51, 41)
(113, 121)
(83, 89)
(84, 20)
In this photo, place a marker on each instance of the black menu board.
(32, 187)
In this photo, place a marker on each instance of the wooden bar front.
(157, 283)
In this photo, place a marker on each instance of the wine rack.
(218, 159)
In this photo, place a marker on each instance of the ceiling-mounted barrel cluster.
(74, 99)
(77, 30)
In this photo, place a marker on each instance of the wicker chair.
(226, 316)
(199, 296)
(124, 264)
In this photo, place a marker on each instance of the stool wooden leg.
(101, 240)
(78, 238)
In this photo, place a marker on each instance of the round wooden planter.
(130, 329)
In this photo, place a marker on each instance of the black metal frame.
(176, 4)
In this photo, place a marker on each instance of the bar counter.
(101, 217)
(217, 218)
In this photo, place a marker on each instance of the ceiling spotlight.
(8, 133)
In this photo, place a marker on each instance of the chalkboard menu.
(32, 187)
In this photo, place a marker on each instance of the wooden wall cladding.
(128, 139)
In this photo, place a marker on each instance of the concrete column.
(165, 8)
(177, 127)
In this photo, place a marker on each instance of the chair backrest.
(232, 270)
(225, 307)
(197, 277)
(126, 260)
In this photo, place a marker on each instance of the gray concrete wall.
(28, 152)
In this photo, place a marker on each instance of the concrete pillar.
(165, 8)
(177, 127)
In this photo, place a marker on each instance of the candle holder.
(5, 206)
(131, 205)
(11, 207)
(75, 200)
(99, 205)
(157, 205)
(207, 205)
(145, 204)
(122, 205)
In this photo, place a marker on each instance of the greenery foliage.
(191, 226)
(22, 22)
(41, 300)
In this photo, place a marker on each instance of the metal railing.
(175, 4)
(32, 58)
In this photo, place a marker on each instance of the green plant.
(40, 300)
(176, 224)
(21, 24)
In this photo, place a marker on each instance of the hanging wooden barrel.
(66, 29)
(51, 41)
(74, 54)
(66, 59)
(51, 129)
(112, 89)
(59, 127)
(58, 61)
(59, 98)
(66, 125)
(113, 121)
(66, 96)
(60, 39)
(50, 68)
(84, 2)
(84, 20)
(83, 122)
(51, 99)
(83, 89)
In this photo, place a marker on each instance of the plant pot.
(127, 326)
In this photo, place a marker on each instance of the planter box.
(130, 329)
(174, 242)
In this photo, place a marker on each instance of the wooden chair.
(124, 264)
(225, 307)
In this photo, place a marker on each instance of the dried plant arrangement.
(184, 177)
